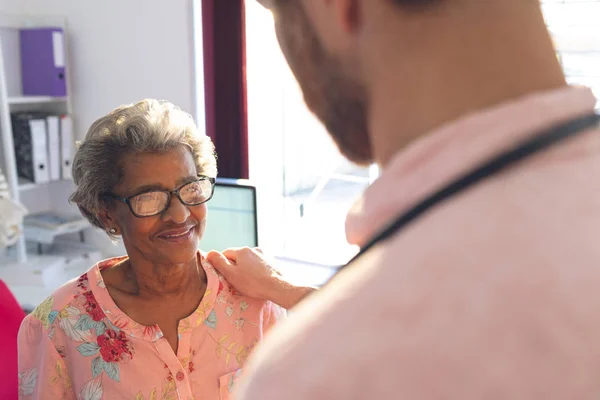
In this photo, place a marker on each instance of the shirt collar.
(454, 148)
(120, 321)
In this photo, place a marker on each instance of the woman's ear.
(107, 219)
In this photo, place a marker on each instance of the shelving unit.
(52, 196)
(36, 99)
(26, 185)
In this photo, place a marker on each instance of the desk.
(30, 296)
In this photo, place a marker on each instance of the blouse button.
(180, 376)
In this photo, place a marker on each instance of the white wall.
(122, 51)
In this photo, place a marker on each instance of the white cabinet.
(52, 196)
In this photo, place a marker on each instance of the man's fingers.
(231, 254)
(219, 261)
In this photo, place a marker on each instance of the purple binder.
(43, 62)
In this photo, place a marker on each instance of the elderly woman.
(160, 322)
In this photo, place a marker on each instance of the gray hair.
(148, 126)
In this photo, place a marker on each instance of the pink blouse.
(79, 345)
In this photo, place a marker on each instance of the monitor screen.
(231, 219)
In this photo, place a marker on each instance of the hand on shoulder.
(251, 273)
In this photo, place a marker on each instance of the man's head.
(330, 74)
(380, 73)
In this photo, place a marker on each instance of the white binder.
(39, 150)
(53, 123)
(67, 145)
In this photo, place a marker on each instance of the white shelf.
(45, 235)
(35, 100)
(25, 185)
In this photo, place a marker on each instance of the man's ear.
(334, 21)
(348, 14)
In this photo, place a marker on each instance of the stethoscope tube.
(537, 143)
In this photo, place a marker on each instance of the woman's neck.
(143, 278)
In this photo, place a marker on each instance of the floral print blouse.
(77, 344)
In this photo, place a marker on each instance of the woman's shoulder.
(241, 309)
(67, 299)
(225, 291)
(243, 313)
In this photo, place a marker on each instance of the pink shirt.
(493, 294)
(78, 345)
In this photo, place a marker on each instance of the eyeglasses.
(154, 202)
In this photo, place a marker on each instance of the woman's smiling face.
(170, 237)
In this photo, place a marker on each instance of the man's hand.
(249, 272)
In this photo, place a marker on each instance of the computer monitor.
(231, 219)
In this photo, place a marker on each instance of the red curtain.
(223, 23)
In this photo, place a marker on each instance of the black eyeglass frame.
(170, 193)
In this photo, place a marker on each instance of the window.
(575, 27)
(306, 186)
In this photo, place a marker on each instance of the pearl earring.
(112, 231)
